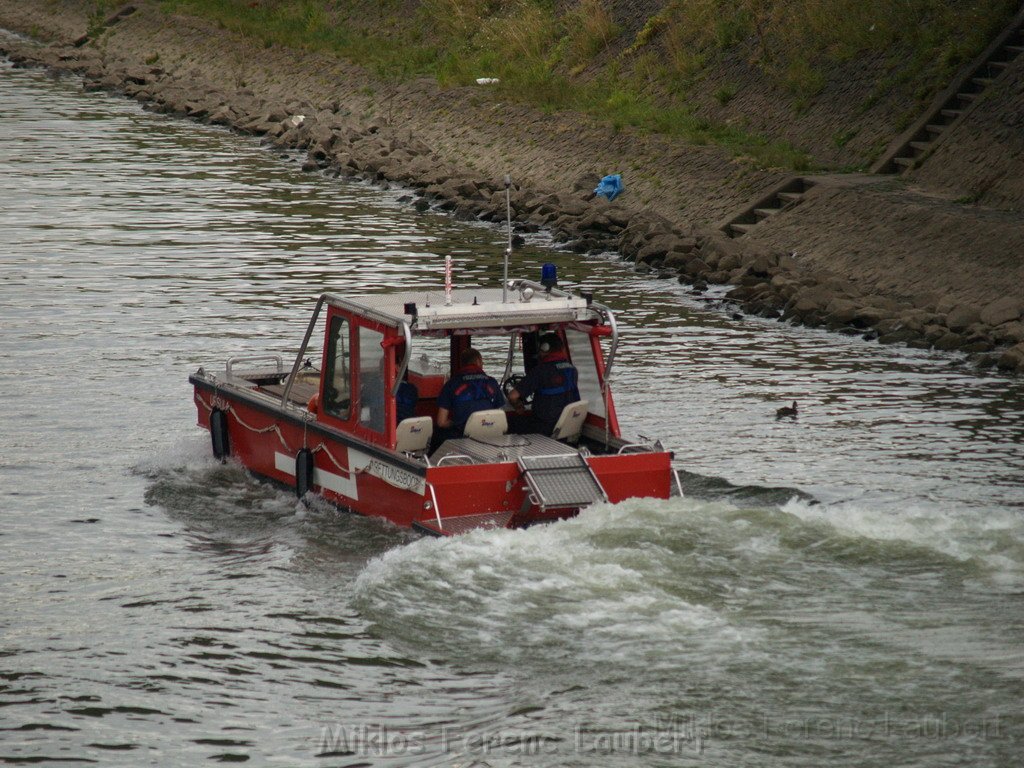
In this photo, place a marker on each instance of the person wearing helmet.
(553, 382)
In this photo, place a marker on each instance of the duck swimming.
(786, 412)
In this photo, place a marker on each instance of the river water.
(844, 590)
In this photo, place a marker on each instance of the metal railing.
(254, 359)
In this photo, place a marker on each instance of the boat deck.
(469, 450)
(301, 390)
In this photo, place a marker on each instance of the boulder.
(815, 297)
(949, 342)
(137, 75)
(718, 277)
(745, 279)
(685, 244)
(787, 263)
(467, 189)
(933, 332)
(657, 248)
(222, 116)
(915, 319)
(869, 317)
(762, 265)
(1010, 333)
(840, 309)
(677, 261)
(1012, 359)
(618, 215)
(784, 286)
(694, 267)
(571, 206)
(891, 306)
(595, 220)
(727, 262)
(978, 332)
(719, 247)
(900, 336)
(763, 306)
(962, 317)
(197, 111)
(945, 304)
(1004, 310)
(542, 205)
(651, 253)
(811, 298)
(887, 326)
(974, 347)
(744, 293)
(265, 129)
(318, 134)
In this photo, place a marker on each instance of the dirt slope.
(868, 251)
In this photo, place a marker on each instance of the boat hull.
(268, 438)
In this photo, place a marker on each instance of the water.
(841, 590)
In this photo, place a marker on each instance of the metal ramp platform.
(453, 526)
(562, 481)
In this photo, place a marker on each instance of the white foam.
(190, 451)
(965, 534)
(591, 588)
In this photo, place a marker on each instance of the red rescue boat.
(331, 427)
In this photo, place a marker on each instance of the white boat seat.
(413, 435)
(570, 424)
(483, 425)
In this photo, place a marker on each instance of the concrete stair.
(910, 149)
(774, 202)
(915, 145)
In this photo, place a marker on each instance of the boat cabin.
(375, 346)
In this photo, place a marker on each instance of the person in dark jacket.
(468, 391)
(406, 399)
(553, 382)
(374, 394)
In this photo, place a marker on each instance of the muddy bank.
(891, 268)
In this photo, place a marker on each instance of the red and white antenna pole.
(447, 281)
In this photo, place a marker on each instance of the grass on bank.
(575, 56)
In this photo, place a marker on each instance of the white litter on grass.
(487, 80)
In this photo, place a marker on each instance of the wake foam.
(604, 587)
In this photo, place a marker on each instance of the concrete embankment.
(871, 258)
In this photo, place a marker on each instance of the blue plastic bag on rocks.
(610, 186)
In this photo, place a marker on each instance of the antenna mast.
(508, 250)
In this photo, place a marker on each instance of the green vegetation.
(98, 14)
(575, 56)
(725, 94)
(842, 138)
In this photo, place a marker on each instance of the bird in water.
(786, 412)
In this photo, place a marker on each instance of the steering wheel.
(510, 383)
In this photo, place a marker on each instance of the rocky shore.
(799, 272)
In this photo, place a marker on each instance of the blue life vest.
(557, 387)
(472, 392)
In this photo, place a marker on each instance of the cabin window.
(582, 356)
(337, 393)
(431, 356)
(371, 378)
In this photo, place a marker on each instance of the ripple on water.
(856, 567)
